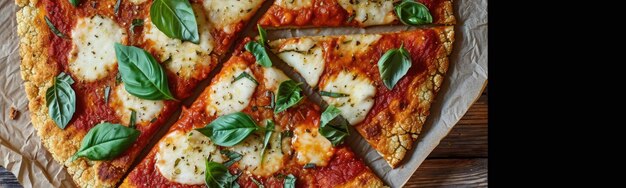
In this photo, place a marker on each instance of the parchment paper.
(22, 153)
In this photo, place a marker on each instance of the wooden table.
(459, 160)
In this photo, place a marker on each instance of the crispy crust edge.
(38, 74)
(366, 179)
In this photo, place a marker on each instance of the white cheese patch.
(136, 2)
(181, 157)
(354, 44)
(181, 57)
(227, 95)
(370, 12)
(273, 77)
(306, 57)
(123, 102)
(293, 4)
(311, 147)
(251, 148)
(361, 90)
(93, 56)
(226, 14)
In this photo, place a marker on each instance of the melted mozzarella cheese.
(227, 95)
(370, 12)
(182, 58)
(137, 1)
(361, 90)
(226, 14)
(293, 4)
(305, 56)
(181, 156)
(273, 77)
(311, 147)
(123, 102)
(251, 148)
(354, 44)
(92, 56)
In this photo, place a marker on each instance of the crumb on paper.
(13, 113)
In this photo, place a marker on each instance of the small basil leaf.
(288, 95)
(245, 75)
(229, 130)
(133, 116)
(290, 181)
(116, 8)
(334, 134)
(217, 175)
(61, 100)
(309, 165)
(287, 133)
(269, 129)
(233, 157)
(262, 35)
(135, 23)
(393, 65)
(259, 53)
(53, 28)
(106, 141)
(333, 94)
(176, 19)
(258, 184)
(75, 3)
(143, 77)
(413, 13)
(107, 91)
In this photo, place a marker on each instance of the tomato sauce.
(323, 13)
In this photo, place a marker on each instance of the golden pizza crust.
(393, 139)
(38, 74)
(366, 179)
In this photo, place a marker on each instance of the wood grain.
(450, 173)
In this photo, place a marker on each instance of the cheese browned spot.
(123, 102)
(181, 156)
(361, 93)
(93, 56)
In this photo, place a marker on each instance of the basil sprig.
(143, 77)
(176, 19)
(106, 141)
(75, 3)
(257, 48)
(135, 23)
(333, 94)
(290, 181)
(269, 129)
(289, 94)
(233, 157)
(217, 175)
(229, 130)
(334, 134)
(245, 75)
(61, 100)
(54, 28)
(413, 13)
(393, 65)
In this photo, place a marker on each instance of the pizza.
(102, 76)
(284, 148)
(334, 13)
(346, 72)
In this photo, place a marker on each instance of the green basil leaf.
(135, 23)
(290, 181)
(143, 77)
(288, 95)
(229, 130)
(176, 19)
(413, 13)
(333, 94)
(269, 129)
(217, 175)
(334, 134)
(132, 121)
(309, 165)
(233, 157)
(393, 65)
(262, 35)
(61, 100)
(106, 141)
(53, 28)
(245, 75)
(258, 184)
(259, 53)
(107, 91)
(75, 3)
(287, 133)
(116, 8)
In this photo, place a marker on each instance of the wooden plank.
(450, 173)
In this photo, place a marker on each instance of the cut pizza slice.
(334, 13)
(232, 135)
(82, 70)
(387, 109)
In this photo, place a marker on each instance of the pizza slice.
(101, 78)
(383, 84)
(334, 13)
(237, 133)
